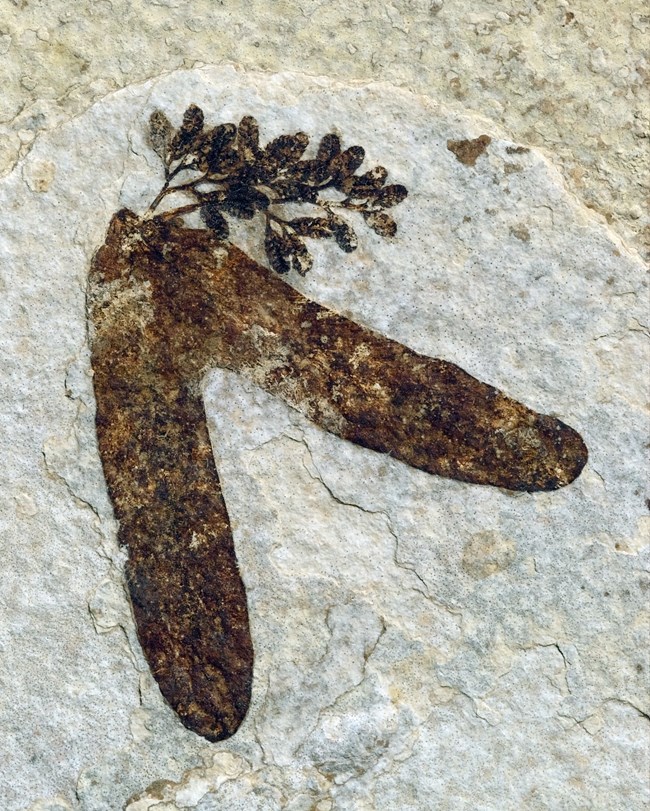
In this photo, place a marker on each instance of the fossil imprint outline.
(167, 302)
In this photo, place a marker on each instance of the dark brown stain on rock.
(165, 304)
(469, 151)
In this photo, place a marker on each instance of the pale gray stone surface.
(569, 77)
(420, 643)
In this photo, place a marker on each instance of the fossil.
(166, 302)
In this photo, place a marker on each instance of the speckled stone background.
(421, 643)
(568, 77)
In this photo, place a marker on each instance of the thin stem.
(189, 186)
(347, 205)
(166, 189)
(177, 212)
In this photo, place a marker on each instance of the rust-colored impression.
(166, 303)
(468, 151)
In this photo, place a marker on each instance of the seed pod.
(329, 147)
(381, 223)
(310, 171)
(248, 138)
(313, 227)
(160, 134)
(344, 235)
(302, 262)
(287, 149)
(275, 251)
(244, 201)
(390, 196)
(291, 191)
(217, 151)
(365, 185)
(299, 257)
(376, 176)
(247, 175)
(214, 219)
(347, 163)
(189, 130)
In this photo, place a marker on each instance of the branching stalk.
(247, 179)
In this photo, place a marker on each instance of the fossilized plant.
(167, 302)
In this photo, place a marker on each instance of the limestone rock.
(416, 638)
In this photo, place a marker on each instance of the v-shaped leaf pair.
(165, 304)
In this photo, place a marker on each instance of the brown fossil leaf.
(314, 227)
(189, 130)
(287, 149)
(346, 163)
(165, 304)
(344, 234)
(248, 138)
(160, 134)
(214, 219)
(390, 196)
(381, 223)
(366, 184)
(329, 147)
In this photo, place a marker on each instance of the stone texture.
(418, 641)
(566, 77)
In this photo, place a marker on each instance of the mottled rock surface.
(419, 641)
(568, 77)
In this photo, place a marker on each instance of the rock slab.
(420, 642)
